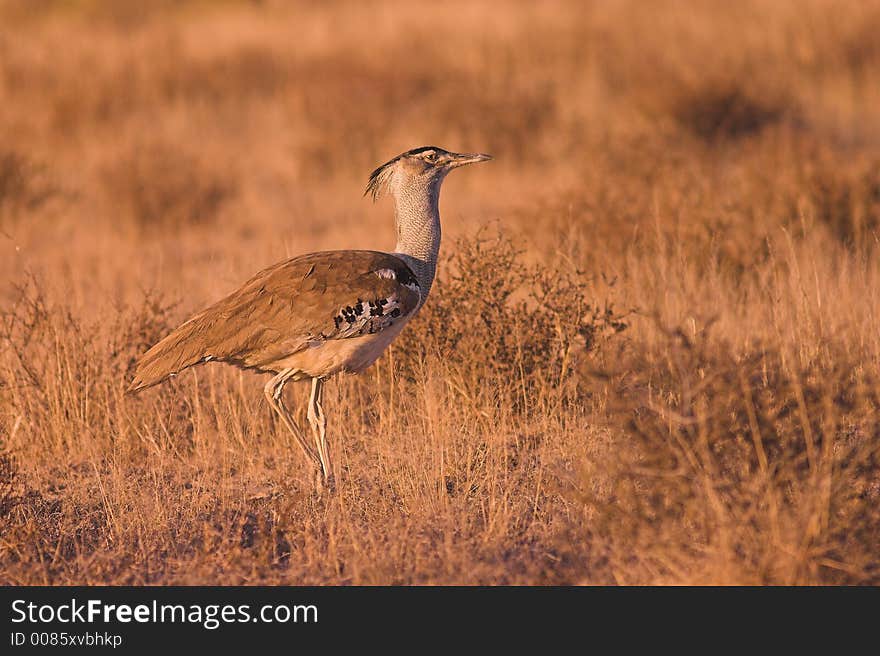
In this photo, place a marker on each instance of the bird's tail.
(168, 357)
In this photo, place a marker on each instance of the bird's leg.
(273, 390)
(318, 420)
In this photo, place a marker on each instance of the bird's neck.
(417, 214)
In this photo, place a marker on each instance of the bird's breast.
(324, 358)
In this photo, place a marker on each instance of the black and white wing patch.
(400, 296)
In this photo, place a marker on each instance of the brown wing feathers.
(320, 296)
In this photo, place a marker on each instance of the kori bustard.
(320, 314)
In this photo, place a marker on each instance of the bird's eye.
(431, 157)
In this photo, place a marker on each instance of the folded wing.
(286, 308)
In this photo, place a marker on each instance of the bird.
(317, 315)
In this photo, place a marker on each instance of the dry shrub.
(159, 186)
(24, 184)
(727, 109)
(843, 192)
(741, 468)
(521, 332)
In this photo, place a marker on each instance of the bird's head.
(423, 166)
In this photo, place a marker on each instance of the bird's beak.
(461, 159)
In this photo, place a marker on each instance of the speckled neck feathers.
(417, 214)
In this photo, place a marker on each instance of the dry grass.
(670, 375)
